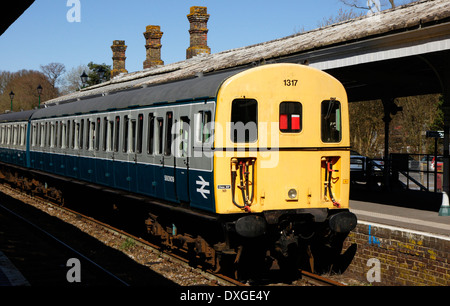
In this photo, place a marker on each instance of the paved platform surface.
(412, 211)
(407, 218)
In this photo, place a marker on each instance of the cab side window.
(331, 121)
(244, 120)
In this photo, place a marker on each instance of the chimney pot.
(118, 48)
(198, 18)
(153, 36)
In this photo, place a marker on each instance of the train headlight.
(292, 194)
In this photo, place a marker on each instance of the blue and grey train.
(262, 153)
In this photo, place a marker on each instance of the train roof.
(17, 116)
(200, 87)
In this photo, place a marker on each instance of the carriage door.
(181, 147)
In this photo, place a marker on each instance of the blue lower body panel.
(167, 183)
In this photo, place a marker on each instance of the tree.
(53, 72)
(374, 5)
(342, 15)
(93, 73)
(24, 84)
(71, 81)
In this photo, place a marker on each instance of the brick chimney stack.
(198, 19)
(153, 36)
(118, 48)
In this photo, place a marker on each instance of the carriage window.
(151, 131)
(60, 133)
(72, 139)
(105, 133)
(204, 129)
(244, 120)
(331, 121)
(116, 134)
(81, 135)
(52, 135)
(290, 117)
(97, 135)
(92, 134)
(63, 136)
(76, 136)
(125, 134)
(133, 136)
(140, 130)
(168, 143)
(109, 145)
(160, 124)
(184, 137)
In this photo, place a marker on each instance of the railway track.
(135, 247)
(318, 280)
(45, 258)
(157, 260)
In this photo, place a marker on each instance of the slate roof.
(403, 18)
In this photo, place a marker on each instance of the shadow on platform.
(430, 201)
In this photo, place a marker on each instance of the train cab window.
(244, 120)
(331, 121)
(290, 117)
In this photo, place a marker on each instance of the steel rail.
(52, 237)
(318, 279)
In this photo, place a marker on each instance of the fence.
(407, 171)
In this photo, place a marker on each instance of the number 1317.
(290, 82)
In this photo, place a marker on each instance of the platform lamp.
(101, 74)
(84, 79)
(39, 90)
(11, 95)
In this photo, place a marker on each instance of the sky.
(76, 32)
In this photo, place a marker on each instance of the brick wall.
(390, 256)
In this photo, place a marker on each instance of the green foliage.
(94, 73)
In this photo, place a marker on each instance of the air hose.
(244, 182)
(330, 170)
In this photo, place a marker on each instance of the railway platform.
(411, 210)
(400, 239)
